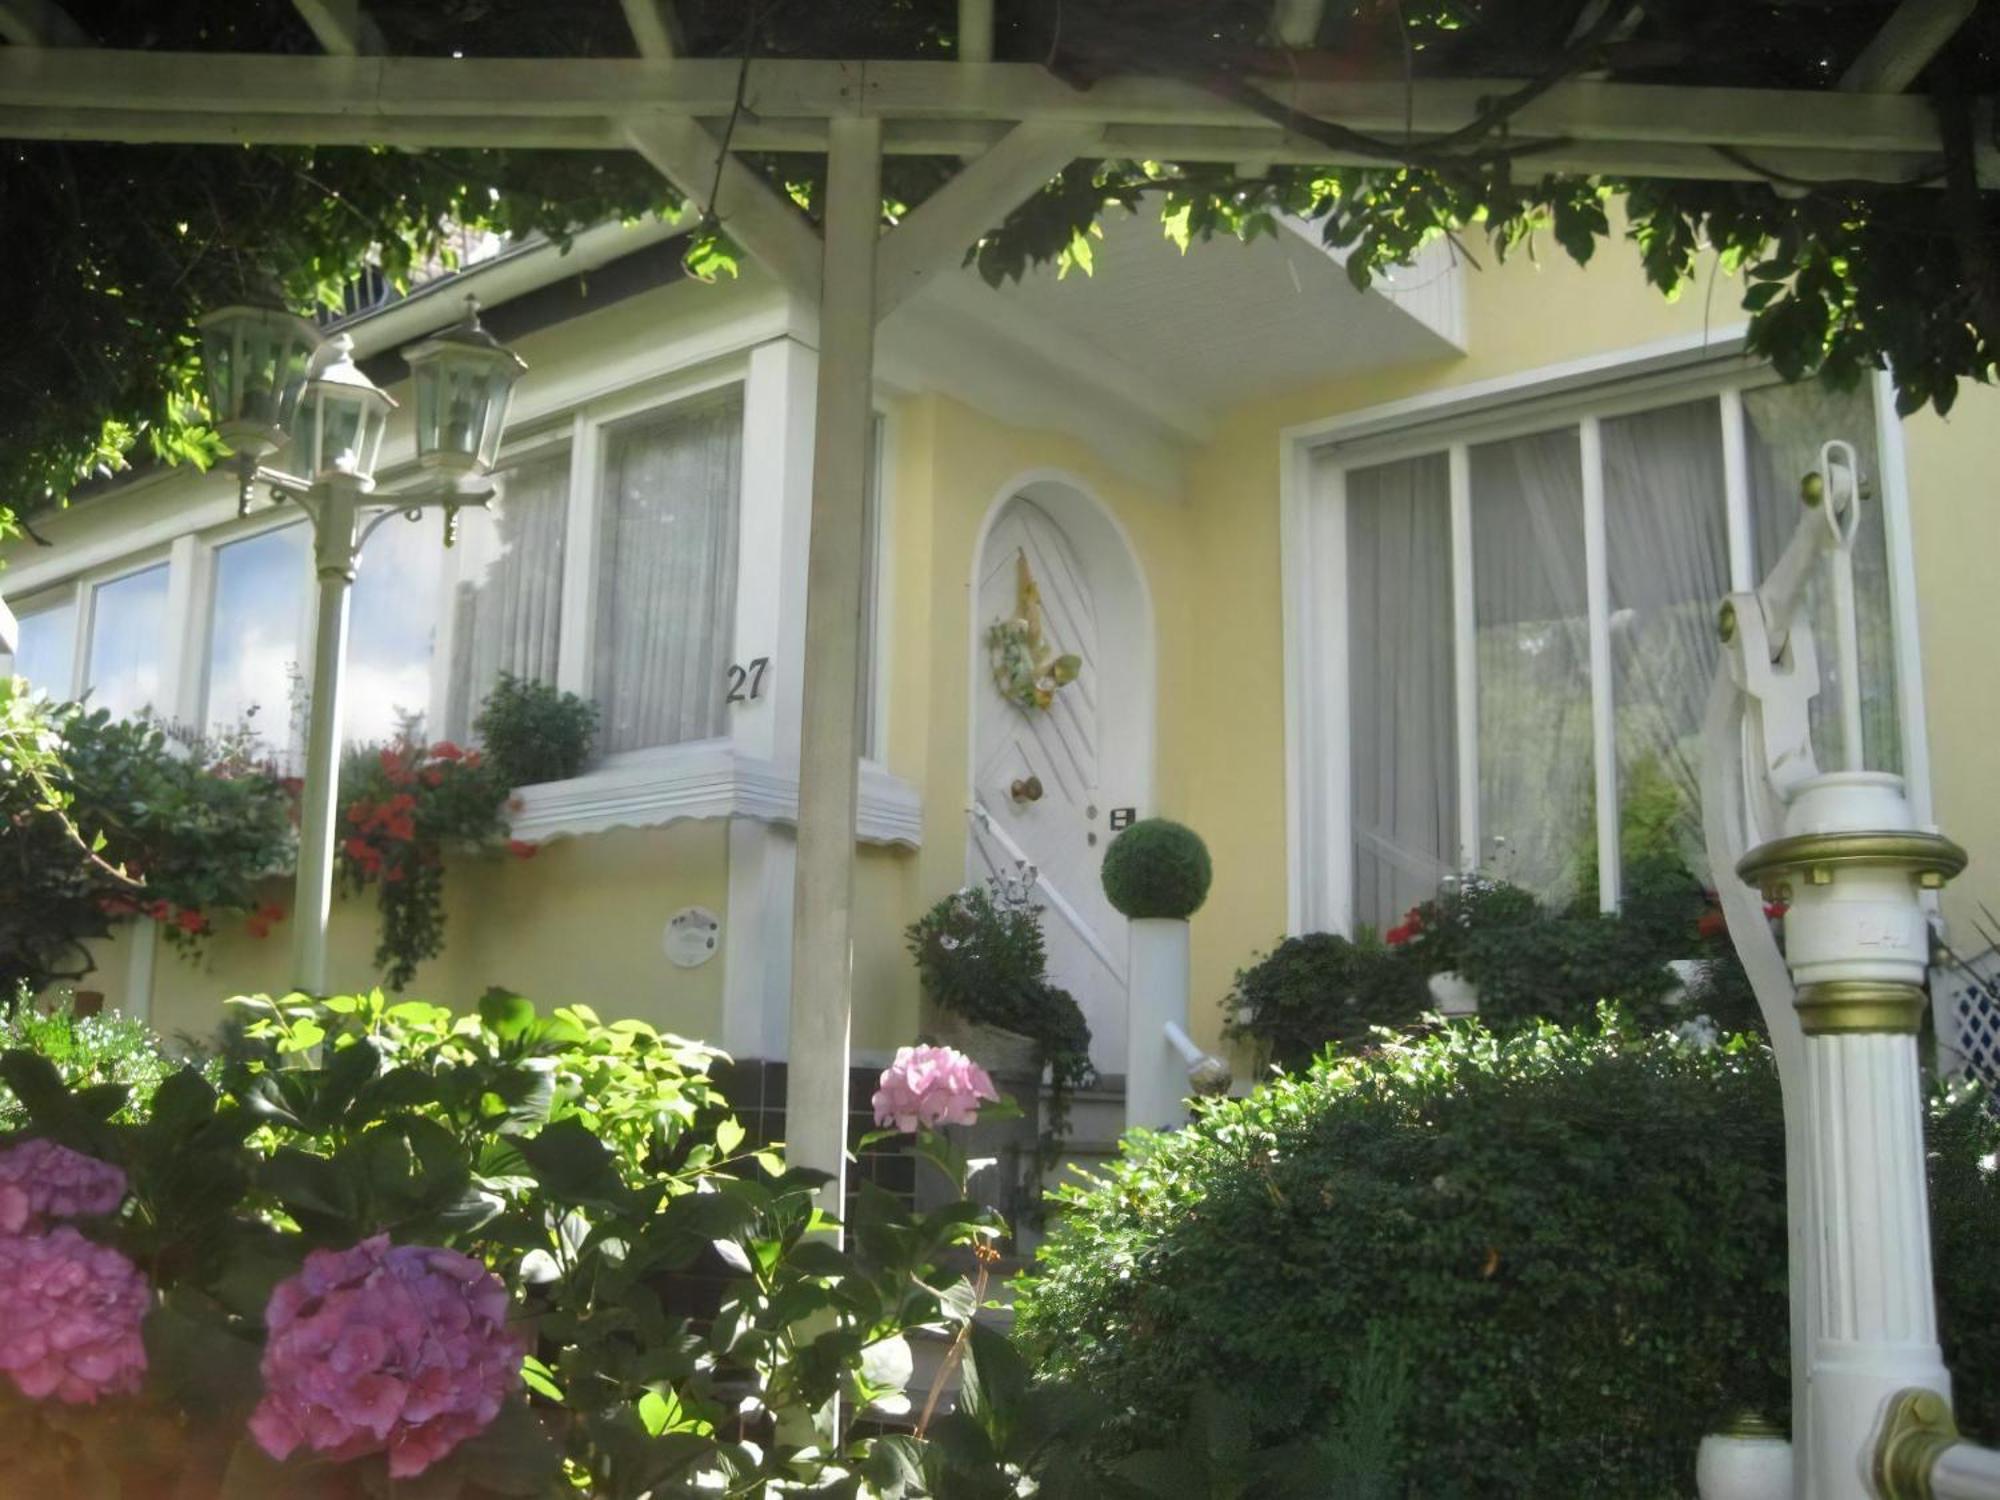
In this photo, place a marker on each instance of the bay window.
(128, 617)
(506, 606)
(666, 599)
(45, 654)
(259, 621)
(1525, 626)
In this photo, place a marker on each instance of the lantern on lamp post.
(464, 382)
(272, 382)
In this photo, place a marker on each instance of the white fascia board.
(10, 630)
(648, 789)
(513, 273)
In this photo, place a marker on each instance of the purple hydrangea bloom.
(40, 1180)
(400, 1349)
(70, 1313)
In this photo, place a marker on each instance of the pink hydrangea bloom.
(70, 1313)
(385, 1348)
(931, 1086)
(40, 1180)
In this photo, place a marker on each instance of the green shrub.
(1529, 962)
(533, 732)
(87, 1051)
(684, 1321)
(102, 819)
(1577, 1239)
(1157, 868)
(1320, 988)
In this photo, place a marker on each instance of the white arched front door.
(1046, 781)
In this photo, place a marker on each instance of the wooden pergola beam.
(1915, 32)
(975, 31)
(936, 234)
(753, 213)
(39, 23)
(109, 83)
(655, 27)
(342, 27)
(1250, 143)
(1295, 23)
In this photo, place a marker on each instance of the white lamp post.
(1843, 1000)
(271, 380)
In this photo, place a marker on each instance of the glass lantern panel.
(498, 389)
(461, 434)
(262, 381)
(218, 348)
(292, 377)
(427, 407)
(338, 426)
(373, 421)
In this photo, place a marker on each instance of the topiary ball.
(1157, 868)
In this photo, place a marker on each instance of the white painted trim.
(10, 633)
(1905, 618)
(1596, 376)
(704, 779)
(1603, 702)
(141, 967)
(1736, 493)
(183, 642)
(1465, 659)
(577, 617)
(1319, 815)
(757, 939)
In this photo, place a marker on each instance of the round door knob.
(1027, 789)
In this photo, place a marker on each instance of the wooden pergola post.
(829, 742)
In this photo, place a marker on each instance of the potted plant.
(1156, 874)
(983, 966)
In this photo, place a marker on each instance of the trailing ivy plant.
(102, 819)
(403, 805)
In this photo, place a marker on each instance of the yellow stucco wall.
(581, 921)
(1954, 477)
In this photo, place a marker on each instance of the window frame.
(1314, 459)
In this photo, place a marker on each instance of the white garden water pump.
(1844, 998)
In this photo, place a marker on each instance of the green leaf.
(573, 1165)
(507, 1015)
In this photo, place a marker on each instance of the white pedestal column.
(1156, 1077)
(1874, 1315)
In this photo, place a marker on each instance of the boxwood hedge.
(1576, 1240)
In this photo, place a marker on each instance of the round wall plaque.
(693, 935)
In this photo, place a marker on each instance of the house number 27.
(746, 684)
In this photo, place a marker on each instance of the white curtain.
(667, 590)
(1786, 426)
(1666, 524)
(1400, 684)
(1533, 662)
(507, 606)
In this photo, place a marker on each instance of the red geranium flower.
(1712, 924)
(446, 750)
(188, 919)
(1776, 909)
(522, 849)
(159, 911)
